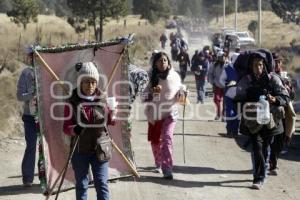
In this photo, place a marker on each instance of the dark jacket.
(200, 74)
(183, 59)
(92, 114)
(249, 90)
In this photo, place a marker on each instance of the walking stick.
(183, 133)
(63, 172)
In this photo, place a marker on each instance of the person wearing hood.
(163, 39)
(184, 62)
(161, 110)
(228, 80)
(250, 90)
(87, 115)
(200, 69)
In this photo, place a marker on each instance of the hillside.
(274, 32)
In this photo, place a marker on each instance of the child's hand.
(157, 89)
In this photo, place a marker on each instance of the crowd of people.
(239, 81)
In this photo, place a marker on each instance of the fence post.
(49, 42)
(19, 44)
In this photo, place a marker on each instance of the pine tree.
(97, 11)
(280, 7)
(152, 9)
(24, 11)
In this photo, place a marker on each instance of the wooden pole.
(183, 131)
(235, 16)
(259, 23)
(224, 12)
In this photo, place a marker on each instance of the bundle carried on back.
(243, 62)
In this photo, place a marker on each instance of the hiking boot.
(273, 172)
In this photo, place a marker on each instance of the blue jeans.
(28, 162)
(81, 163)
(201, 89)
(183, 70)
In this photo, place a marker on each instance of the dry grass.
(146, 39)
(10, 112)
(51, 30)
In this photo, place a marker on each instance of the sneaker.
(217, 118)
(157, 170)
(27, 184)
(273, 172)
(168, 176)
(200, 101)
(257, 185)
(229, 134)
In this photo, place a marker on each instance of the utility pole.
(224, 13)
(259, 23)
(235, 16)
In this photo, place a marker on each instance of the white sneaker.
(257, 185)
(157, 170)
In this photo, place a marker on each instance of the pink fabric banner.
(51, 98)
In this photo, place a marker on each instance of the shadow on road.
(206, 170)
(19, 189)
(197, 170)
(20, 176)
(188, 184)
(293, 150)
(196, 135)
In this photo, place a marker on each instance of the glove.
(78, 129)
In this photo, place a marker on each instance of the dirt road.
(216, 167)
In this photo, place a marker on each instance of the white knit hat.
(88, 69)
